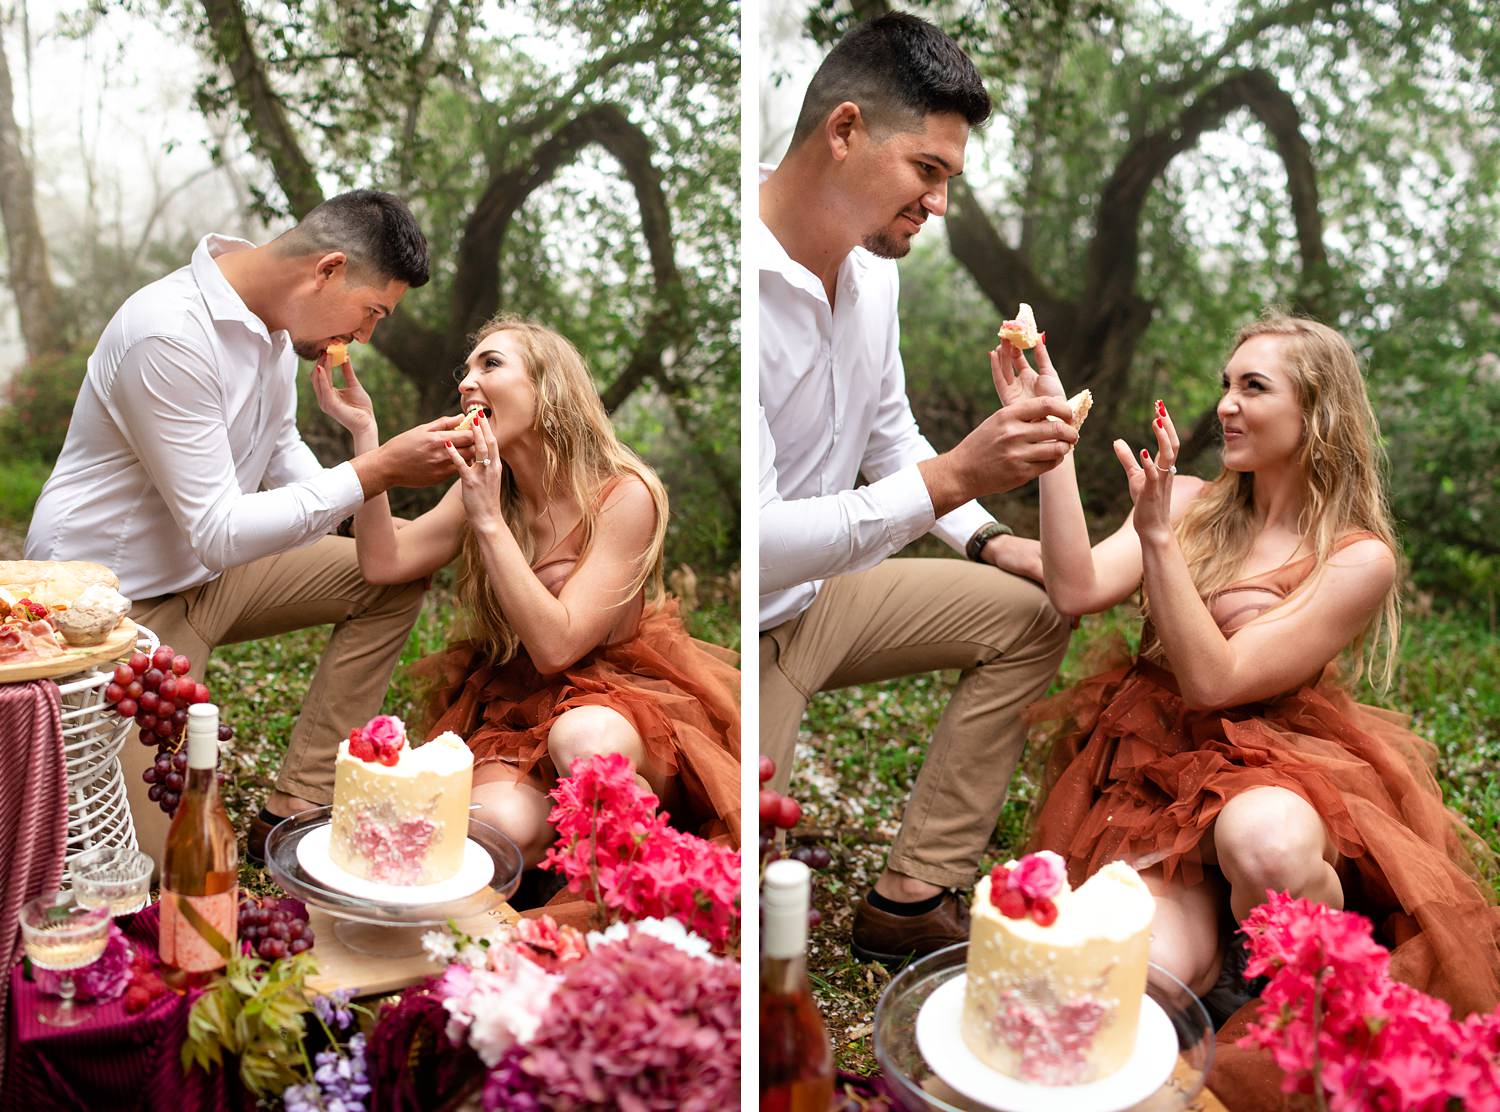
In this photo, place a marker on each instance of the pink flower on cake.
(1039, 875)
(386, 731)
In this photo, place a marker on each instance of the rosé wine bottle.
(796, 1061)
(200, 872)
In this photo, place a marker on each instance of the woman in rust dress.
(568, 652)
(1227, 759)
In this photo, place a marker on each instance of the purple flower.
(334, 1009)
(104, 979)
(339, 1083)
(509, 1088)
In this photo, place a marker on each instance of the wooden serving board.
(339, 967)
(117, 646)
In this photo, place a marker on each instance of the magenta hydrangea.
(640, 1025)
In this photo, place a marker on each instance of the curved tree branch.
(477, 281)
(262, 113)
(1113, 260)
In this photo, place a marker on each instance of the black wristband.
(982, 536)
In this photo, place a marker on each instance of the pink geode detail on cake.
(395, 853)
(1051, 1041)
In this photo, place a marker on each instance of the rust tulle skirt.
(682, 696)
(1135, 774)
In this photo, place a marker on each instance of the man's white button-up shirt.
(188, 410)
(833, 405)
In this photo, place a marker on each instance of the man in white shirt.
(882, 129)
(183, 472)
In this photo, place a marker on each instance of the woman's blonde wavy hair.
(582, 455)
(1343, 464)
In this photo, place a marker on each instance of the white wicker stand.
(93, 735)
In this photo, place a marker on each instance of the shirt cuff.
(340, 489)
(956, 526)
(905, 504)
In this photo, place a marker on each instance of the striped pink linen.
(33, 813)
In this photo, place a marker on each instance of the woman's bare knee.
(519, 811)
(589, 731)
(1271, 838)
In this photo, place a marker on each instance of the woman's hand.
(350, 404)
(1014, 378)
(480, 481)
(1151, 479)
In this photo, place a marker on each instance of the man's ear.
(327, 266)
(840, 127)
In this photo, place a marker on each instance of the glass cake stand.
(387, 929)
(913, 1084)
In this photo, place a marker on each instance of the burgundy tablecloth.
(113, 1060)
(33, 814)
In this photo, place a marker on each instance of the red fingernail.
(1145, 454)
(449, 443)
(1158, 422)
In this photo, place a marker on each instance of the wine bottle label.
(197, 932)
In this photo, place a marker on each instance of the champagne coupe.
(62, 935)
(116, 877)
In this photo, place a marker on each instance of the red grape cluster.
(782, 812)
(156, 691)
(273, 930)
(145, 983)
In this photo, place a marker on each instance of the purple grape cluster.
(272, 931)
(156, 691)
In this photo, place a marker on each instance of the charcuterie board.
(117, 646)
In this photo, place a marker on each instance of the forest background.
(577, 162)
(1155, 174)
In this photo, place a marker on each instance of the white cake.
(402, 821)
(1058, 1004)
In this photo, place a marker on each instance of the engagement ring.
(486, 463)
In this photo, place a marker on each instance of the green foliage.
(38, 404)
(20, 485)
(255, 1011)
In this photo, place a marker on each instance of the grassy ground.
(861, 747)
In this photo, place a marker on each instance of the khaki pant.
(315, 585)
(909, 616)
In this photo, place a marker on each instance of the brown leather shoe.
(894, 939)
(255, 839)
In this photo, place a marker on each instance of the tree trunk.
(26, 255)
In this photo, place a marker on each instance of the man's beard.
(309, 349)
(886, 244)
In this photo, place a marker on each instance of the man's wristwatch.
(982, 536)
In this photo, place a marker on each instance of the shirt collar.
(223, 301)
(772, 257)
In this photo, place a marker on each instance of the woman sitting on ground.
(1226, 759)
(561, 528)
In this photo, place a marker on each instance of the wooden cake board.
(340, 967)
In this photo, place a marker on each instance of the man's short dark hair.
(375, 230)
(899, 69)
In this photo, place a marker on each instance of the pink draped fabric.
(33, 814)
(113, 1060)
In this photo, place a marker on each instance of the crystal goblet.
(115, 877)
(62, 935)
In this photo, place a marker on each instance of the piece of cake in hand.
(1022, 332)
(1056, 976)
(400, 813)
(336, 355)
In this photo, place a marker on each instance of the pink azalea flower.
(1334, 1021)
(548, 945)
